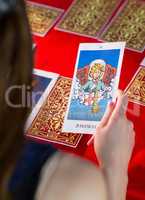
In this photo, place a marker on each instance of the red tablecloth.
(56, 52)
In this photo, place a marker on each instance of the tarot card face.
(128, 26)
(42, 84)
(47, 124)
(136, 88)
(41, 17)
(91, 92)
(87, 17)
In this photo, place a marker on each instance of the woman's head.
(97, 69)
(15, 70)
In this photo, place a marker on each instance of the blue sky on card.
(109, 56)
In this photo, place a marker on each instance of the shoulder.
(67, 177)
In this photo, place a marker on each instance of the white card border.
(34, 46)
(53, 77)
(49, 7)
(143, 62)
(69, 125)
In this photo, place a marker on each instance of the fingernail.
(110, 103)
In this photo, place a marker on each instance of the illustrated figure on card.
(97, 86)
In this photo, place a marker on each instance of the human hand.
(114, 138)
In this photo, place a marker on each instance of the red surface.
(57, 52)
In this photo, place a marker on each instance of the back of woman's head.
(15, 72)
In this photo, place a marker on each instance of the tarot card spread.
(88, 17)
(129, 26)
(136, 88)
(48, 122)
(95, 82)
(41, 17)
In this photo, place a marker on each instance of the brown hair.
(15, 69)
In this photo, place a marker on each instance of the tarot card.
(42, 17)
(136, 88)
(128, 25)
(42, 84)
(47, 123)
(90, 93)
(87, 17)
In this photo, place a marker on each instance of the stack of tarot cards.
(65, 109)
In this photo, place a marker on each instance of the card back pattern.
(48, 123)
